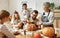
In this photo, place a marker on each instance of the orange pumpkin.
(31, 27)
(48, 31)
(37, 35)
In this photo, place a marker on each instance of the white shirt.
(24, 14)
(14, 21)
(50, 17)
(4, 31)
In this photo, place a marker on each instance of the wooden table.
(23, 36)
(28, 34)
(31, 36)
(58, 34)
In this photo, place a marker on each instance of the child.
(4, 31)
(15, 18)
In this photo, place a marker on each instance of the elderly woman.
(47, 17)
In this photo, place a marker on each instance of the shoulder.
(29, 9)
(51, 13)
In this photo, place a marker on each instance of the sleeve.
(6, 32)
(51, 19)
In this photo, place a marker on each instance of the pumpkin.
(37, 35)
(48, 31)
(31, 27)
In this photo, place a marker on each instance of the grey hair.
(46, 4)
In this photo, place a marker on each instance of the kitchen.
(12, 5)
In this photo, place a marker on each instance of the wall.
(4, 4)
(13, 5)
(17, 5)
(34, 4)
(39, 4)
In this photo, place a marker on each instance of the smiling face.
(24, 6)
(47, 6)
(34, 15)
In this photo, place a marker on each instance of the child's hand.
(20, 24)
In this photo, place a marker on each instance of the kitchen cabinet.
(57, 21)
(57, 18)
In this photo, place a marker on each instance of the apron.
(45, 19)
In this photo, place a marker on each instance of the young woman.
(16, 21)
(4, 31)
(47, 16)
(15, 18)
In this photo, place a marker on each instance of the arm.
(6, 32)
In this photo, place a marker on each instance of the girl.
(16, 21)
(4, 31)
(15, 18)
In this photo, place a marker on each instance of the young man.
(25, 14)
(47, 16)
(33, 18)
